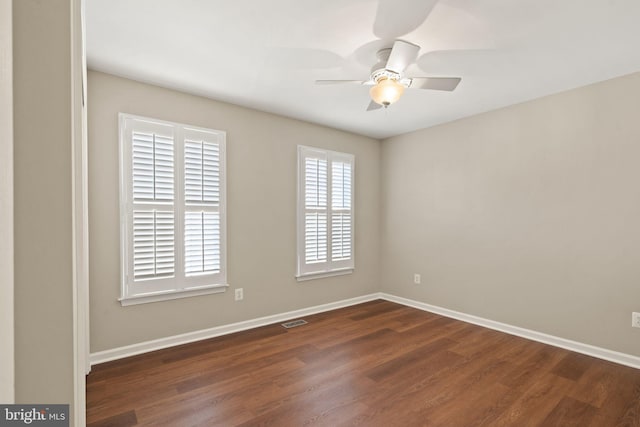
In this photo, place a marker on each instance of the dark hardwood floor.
(374, 364)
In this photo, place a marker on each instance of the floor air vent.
(294, 323)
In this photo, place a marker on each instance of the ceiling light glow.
(386, 92)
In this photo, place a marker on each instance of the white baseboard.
(578, 347)
(158, 344)
(147, 346)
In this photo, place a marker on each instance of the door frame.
(80, 211)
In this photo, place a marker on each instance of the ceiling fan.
(388, 80)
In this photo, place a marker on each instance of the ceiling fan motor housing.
(380, 72)
(383, 73)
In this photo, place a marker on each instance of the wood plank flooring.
(374, 364)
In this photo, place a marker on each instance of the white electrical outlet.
(239, 294)
(416, 279)
(635, 319)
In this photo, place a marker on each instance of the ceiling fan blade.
(336, 82)
(402, 54)
(435, 83)
(373, 106)
(395, 18)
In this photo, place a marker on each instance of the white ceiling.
(268, 54)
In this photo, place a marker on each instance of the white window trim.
(179, 286)
(329, 268)
(175, 294)
(313, 276)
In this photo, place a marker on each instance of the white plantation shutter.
(151, 185)
(315, 183)
(202, 171)
(153, 164)
(315, 206)
(340, 236)
(153, 244)
(202, 242)
(315, 237)
(325, 213)
(341, 231)
(202, 198)
(172, 204)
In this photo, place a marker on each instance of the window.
(325, 213)
(172, 204)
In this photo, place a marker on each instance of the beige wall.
(6, 206)
(523, 215)
(261, 195)
(526, 215)
(44, 358)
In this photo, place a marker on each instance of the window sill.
(324, 274)
(174, 294)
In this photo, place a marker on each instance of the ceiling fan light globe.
(386, 92)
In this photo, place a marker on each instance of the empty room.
(288, 213)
